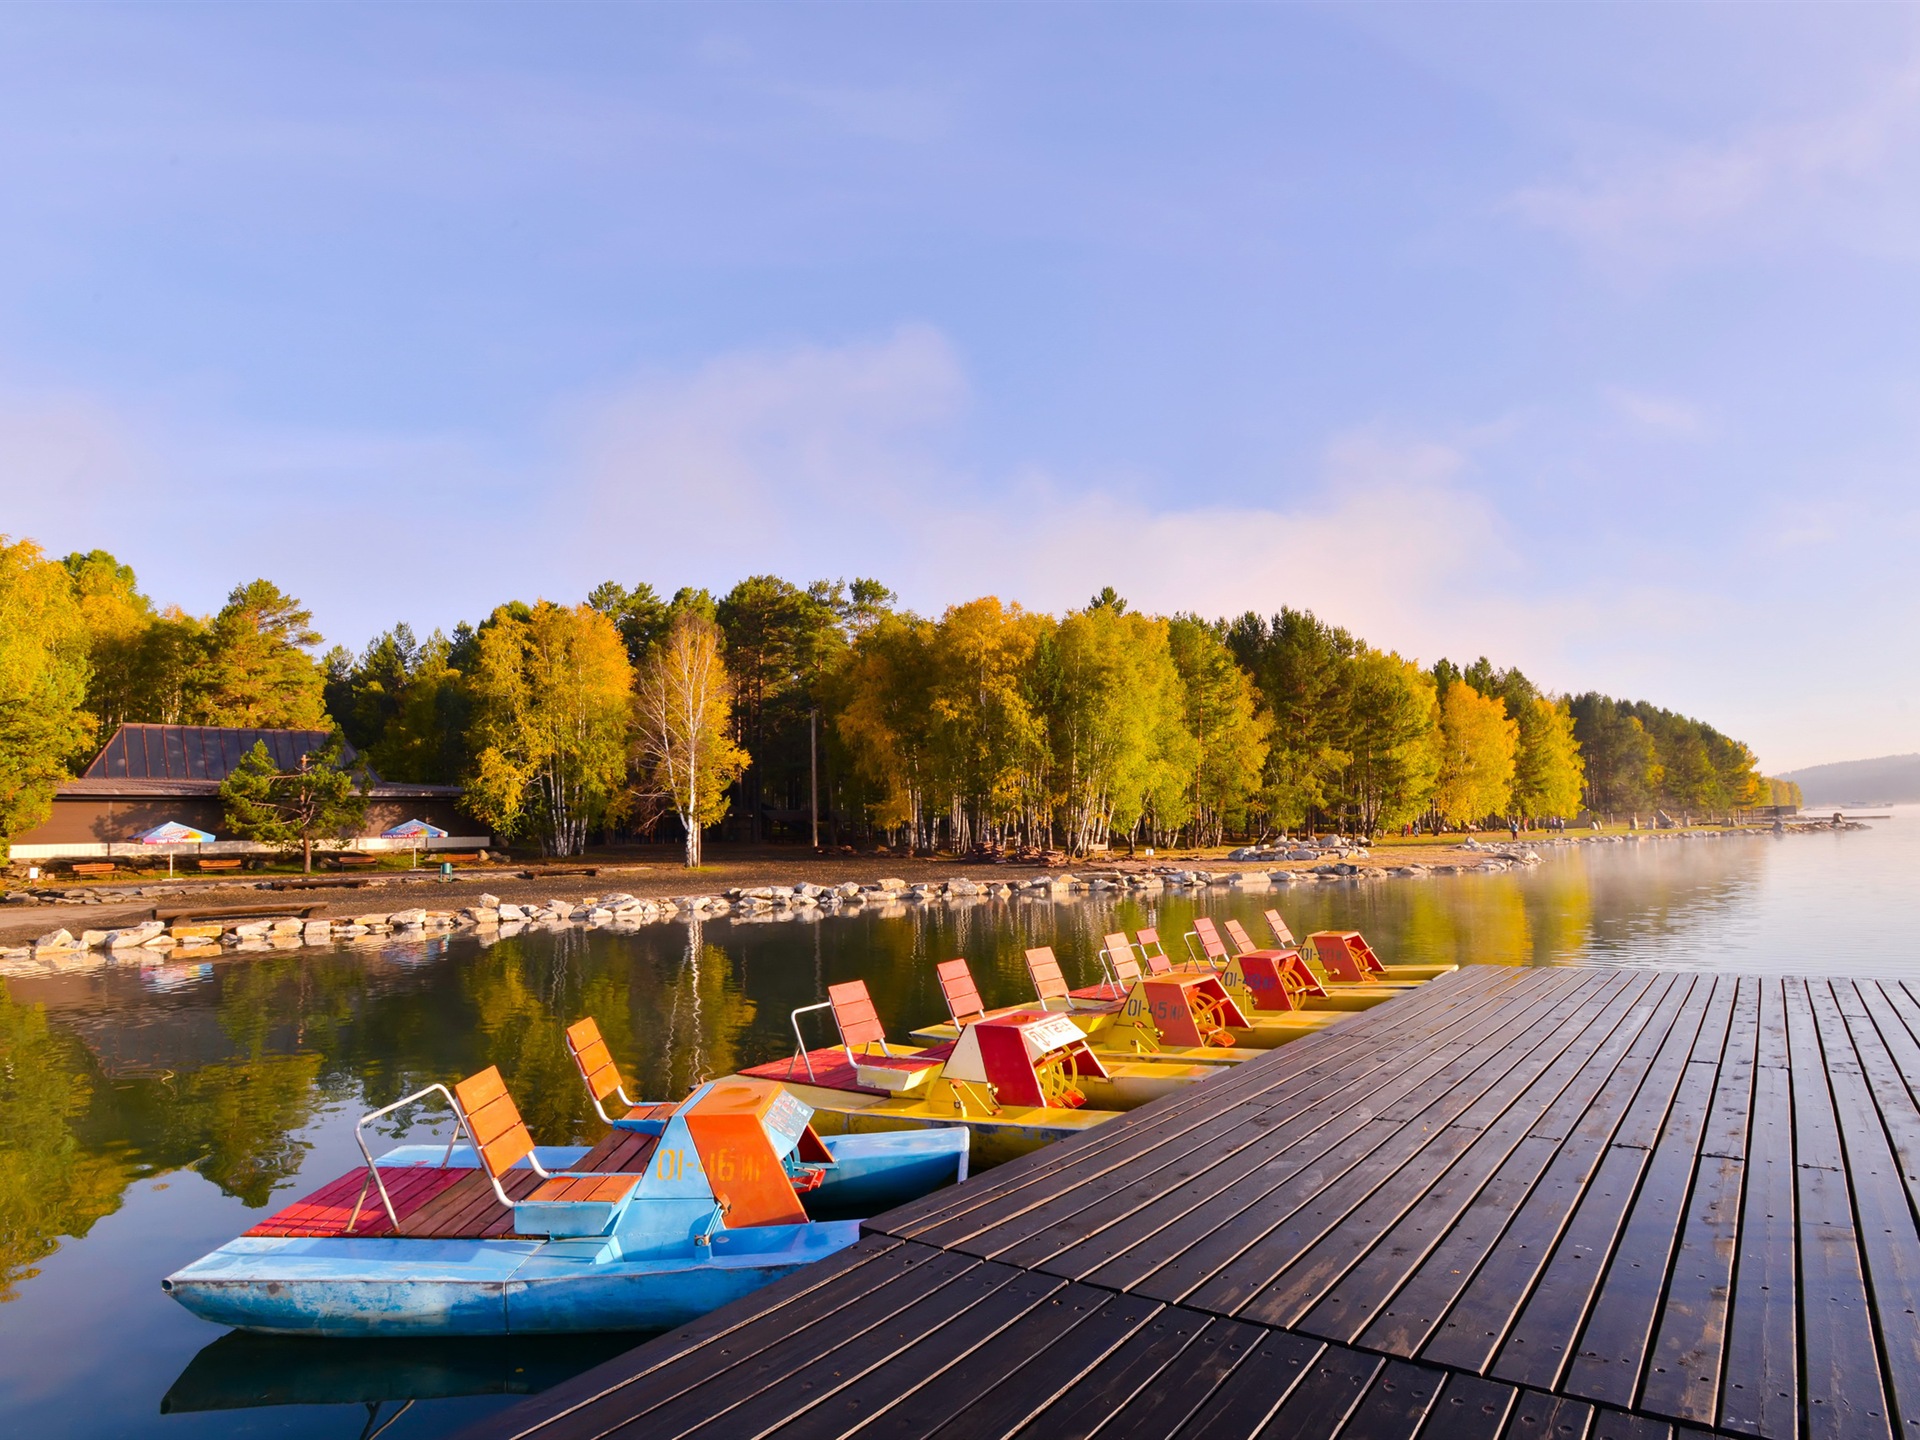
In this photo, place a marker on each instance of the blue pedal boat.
(680, 1210)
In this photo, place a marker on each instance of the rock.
(316, 931)
(348, 932)
(1249, 880)
(368, 922)
(850, 889)
(559, 909)
(287, 927)
(510, 914)
(56, 940)
(254, 929)
(487, 902)
(407, 919)
(962, 886)
(890, 885)
(134, 936)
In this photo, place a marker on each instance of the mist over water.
(151, 1115)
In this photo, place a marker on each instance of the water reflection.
(235, 1083)
(241, 1371)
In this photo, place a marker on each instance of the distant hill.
(1892, 779)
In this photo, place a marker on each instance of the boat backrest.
(1210, 941)
(493, 1120)
(590, 1053)
(1153, 952)
(853, 1012)
(962, 995)
(1242, 941)
(1281, 932)
(1048, 982)
(1126, 969)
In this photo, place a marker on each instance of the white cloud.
(1845, 177)
(1658, 414)
(816, 461)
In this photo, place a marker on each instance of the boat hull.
(995, 1139)
(345, 1288)
(651, 1271)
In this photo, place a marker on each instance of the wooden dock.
(1573, 1204)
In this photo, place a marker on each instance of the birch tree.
(552, 690)
(683, 707)
(1477, 744)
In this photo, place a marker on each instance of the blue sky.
(1582, 337)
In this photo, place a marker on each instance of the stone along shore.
(156, 942)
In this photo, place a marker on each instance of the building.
(149, 774)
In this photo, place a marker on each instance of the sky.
(1579, 337)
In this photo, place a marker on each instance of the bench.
(233, 864)
(356, 859)
(95, 867)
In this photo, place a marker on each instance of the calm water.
(147, 1118)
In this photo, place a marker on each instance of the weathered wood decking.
(1555, 1203)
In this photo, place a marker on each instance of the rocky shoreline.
(156, 942)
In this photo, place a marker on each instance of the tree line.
(633, 713)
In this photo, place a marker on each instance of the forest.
(634, 714)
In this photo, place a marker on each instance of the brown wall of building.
(92, 820)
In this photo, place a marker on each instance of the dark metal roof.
(196, 752)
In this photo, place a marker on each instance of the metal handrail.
(373, 1170)
(801, 1041)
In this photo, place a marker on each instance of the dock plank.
(1844, 1394)
(1367, 1290)
(1593, 1204)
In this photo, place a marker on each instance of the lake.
(148, 1116)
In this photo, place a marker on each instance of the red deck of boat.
(433, 1203)
(831, 1070)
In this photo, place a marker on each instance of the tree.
(1623, 772)
(426, 739)
(681, 706)
(780, 640)
(1393, 752)
(118, 618)
(253, 669)
(552, 691)
(1548, 777)
(1117, 725)
(319, 800)
(404, 704)
(638, 614)
(44, 678)
(1296, 662)
(879, 697)
(1477, 743)
(987, 732)
(1223, 716)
